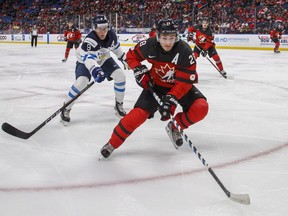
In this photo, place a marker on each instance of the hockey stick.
(239, 198)
(24, 135)
(225, 76)
(123, 40)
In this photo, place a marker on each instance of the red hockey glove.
(142, 77)
(167, 107)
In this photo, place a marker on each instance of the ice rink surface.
(56, 172)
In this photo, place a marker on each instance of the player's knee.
(198, 110)
(118, 76)
(81, 82)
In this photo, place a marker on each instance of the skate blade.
(117, 114)
(64, 123)
(170, 137)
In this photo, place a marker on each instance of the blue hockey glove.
(98, 74)
(122, 58)
(167, 107)
(142, 77)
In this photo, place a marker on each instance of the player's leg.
(69, 46)
(82, 79)
(213, 54)
(113, 71)
(144, 108)
(195, 108)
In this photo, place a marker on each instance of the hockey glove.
(77, 43)
(122, 58)
(98, 74)
(204, 53)
(167, 107)
(65, 39)
(142, 77)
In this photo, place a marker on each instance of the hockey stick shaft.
(212, 63)
(240, 198)
(24, 135)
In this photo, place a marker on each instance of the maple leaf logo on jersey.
(166, 73)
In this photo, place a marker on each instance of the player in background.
(93, 59)
(172, 74)
(73, 38)
(275, 36)
(34, 36)
(152, 32)
(204, 40)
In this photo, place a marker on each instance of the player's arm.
(117, 50)
(185, 75)
(135, 56)
(209, 41)
(88, 53)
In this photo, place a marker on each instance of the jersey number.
(192, 59)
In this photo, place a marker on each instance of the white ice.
(56, 172)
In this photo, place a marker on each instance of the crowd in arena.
(226, 16)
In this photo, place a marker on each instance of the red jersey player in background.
(172, 73)
(275, 36)
(205, 43)
(152, 32)
(73, 38)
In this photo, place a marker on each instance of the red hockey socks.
(218, 62)
(197, 111)
(127, 125)
(67, 52)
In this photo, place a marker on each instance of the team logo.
(166, 73)
(138, 37)
(60, 38)
(70, 35)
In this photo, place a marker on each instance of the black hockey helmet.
(205, 19)
(167, 26)
(100, 21)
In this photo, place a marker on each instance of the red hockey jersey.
(175, 69)
(72, 34)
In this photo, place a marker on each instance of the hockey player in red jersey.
(172, 74)
(205, 43)
(152, 32)
(73, 38)
(275, 36)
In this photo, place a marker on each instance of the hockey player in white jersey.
(94, 60)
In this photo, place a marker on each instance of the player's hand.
(122, 58)
(77, 43)
(142, 77)
(98, 74)
(204, 53)
(167, 107)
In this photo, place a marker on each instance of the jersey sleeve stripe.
(141, 58)
(188, 81)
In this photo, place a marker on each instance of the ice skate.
(276, 51)
(107, 150)
(64, 60)
(174, 135)
(65, 116)
(223, 72)
(119, 111)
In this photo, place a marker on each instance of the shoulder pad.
(90, 41)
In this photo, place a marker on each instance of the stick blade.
(14, 131)
(240, 198)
